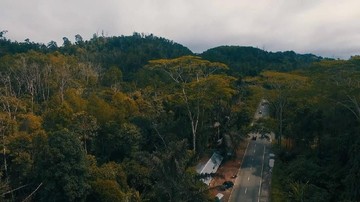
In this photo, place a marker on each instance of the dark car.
(228, 184)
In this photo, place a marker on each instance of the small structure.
(210, 167)
(219, 196)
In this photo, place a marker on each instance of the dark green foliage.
(9, 47)
(61, 167)
(251, 61)
(116, 142)
(130, 53)
(112, 76)
(320, 159)
(172, 176)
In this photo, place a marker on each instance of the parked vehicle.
(228, 184)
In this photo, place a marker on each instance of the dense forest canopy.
(250, 61)
(127, 118)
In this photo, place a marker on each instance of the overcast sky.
(328, 28)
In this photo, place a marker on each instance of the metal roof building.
(211, 166)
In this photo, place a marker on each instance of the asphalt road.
(252, 182)
(262, 110)
(248, 184)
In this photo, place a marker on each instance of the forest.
(126, 118)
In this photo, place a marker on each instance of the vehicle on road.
(228, 184)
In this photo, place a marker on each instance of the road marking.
(245, 190)
(261, 176)
(238, 179)
(259, 188)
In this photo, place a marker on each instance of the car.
(264, 136)
(228, 184)
(271, 163)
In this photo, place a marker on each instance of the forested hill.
(129, 53)
(251, 61)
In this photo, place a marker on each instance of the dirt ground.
(228, 169)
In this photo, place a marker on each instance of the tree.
(79, 40)
(109, 183)
(4, 187)
(184, 71)
(281, 87)
(21, 145)
(52, 45)
(100, 109)
(2, 34)
(175, 180)
(64, 68)
(61, 167)
(112, 76)
(59, 116)
(67, 42)
(116, 142)
(85, 126)
(7, 127)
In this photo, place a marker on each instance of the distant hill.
(130, 53)
(250, 61)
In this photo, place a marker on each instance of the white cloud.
(325, 27)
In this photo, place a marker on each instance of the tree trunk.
(280, 124)
(194, 121)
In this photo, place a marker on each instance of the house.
(210, 167)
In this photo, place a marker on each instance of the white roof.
(211, 166)
(219, 195)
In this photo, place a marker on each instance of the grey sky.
(324, 27)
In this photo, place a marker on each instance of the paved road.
(248, 184)
(262, 110)
(252, 183)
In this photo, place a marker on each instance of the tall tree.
(85, 126)
(185, 71)
(175, 180)
(281, 88)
